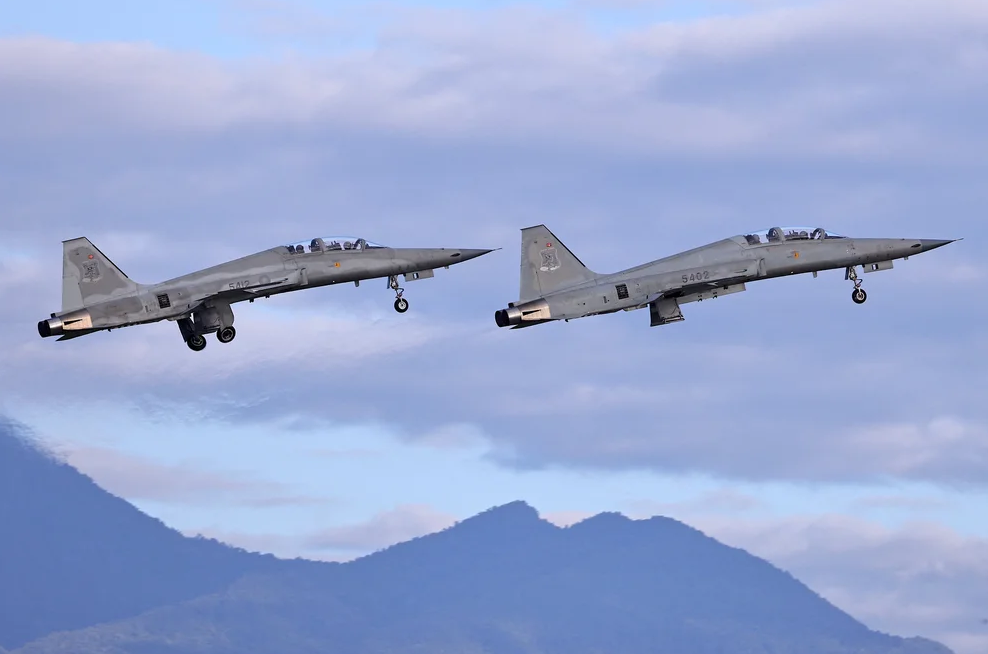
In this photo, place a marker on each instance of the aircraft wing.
(237, 293)
(701, 283)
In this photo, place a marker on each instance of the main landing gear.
(226, 334)
(858, 294)
(401, 304)
(204, 322)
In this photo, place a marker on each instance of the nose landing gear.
(858, 294)
(401, 304)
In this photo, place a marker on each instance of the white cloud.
(383, 529)
(725, 501)
(457, 125)
(520, 74)
(909, 503)
(917, 579)
(137, 478)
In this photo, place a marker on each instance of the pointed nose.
(926, 245)
(465, 255)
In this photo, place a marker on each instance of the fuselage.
(270, 272)
(708, 271)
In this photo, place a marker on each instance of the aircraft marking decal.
(696, 277)
(550, 260)
(90, 271)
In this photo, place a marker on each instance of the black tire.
(196, 343)
(859, 296)
(401, 305)
(226, 334)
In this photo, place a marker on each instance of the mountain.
(502, 582)
(73, 555)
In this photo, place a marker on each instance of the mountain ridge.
(70, 574)
(503, 581)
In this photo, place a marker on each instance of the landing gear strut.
(401, 304)
(858, 294)
(194, 331)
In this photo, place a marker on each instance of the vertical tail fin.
(88, 276)
(547, 265)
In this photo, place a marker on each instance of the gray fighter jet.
(96, 295)
(555, 285)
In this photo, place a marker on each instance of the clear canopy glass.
(782, 234)
(329, 243)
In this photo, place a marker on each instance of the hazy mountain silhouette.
(502, 582)
(73, 555)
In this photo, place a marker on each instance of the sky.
(847, 444)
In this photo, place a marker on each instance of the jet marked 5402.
(571, 290)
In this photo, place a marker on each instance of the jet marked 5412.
(97, 296)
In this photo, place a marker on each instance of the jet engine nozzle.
(507, 317)
(534, 311)
(73, 321)
(51, 327)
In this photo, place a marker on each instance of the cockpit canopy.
(783, 234)
(329, 243)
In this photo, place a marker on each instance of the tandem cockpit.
(331, 243)
(784, 234)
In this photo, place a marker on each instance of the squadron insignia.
(550, 261)
(90, 270)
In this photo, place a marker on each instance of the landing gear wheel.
(226, 334)
(196, 343)
(401, 304)
(858, 295)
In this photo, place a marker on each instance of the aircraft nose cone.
(932, 244)
(464, 255)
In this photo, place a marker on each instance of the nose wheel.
(401, 304)
(858, 294)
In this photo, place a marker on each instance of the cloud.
(902, 503)
(383, 529)
(137, 478)
(721, 501)
(917, 579)
(478, 75)
(456, 129)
